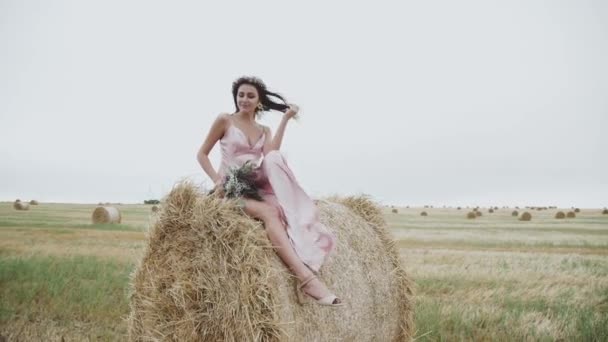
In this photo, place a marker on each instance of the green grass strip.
(63, 288)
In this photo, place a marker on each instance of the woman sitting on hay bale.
(254, 170)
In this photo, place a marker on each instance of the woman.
(290, 217)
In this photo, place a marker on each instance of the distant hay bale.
(514, 213)
(577, 210)
(478, 213)
(424, 213)
(18, 205)
(571, 214)
(209, 273)
(491, 210)
(526, 216)
(471, 215)
(34, 202)
(395, 211)
(458, 208)
(155, 209)
(560, 215)
(605, 212)
(106, 215)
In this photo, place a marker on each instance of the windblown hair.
(263, 93)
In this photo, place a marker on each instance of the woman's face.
(247, 98)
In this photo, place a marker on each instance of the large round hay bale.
(577, 210)
(515, 213)
(491, 210)
(155, 208)
(478, 213)
(471, 215)
(424, 213)
(208, 273)
(395, 211)
(526, 216)
(571, 214)
(106, 215)
(560, 215)
(18, 205)
(34, 202)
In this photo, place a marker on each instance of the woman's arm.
(277, 140)
(267, 148)
(215, 133)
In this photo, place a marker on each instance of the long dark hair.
(263, 93)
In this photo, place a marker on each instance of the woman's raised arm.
(277, 140)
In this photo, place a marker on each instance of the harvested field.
(489, 278)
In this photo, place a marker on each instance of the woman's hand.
(292, 112)
(219, 188)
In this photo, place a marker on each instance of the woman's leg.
(280, 241)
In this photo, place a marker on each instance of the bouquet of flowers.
(241, 182)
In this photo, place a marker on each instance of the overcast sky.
(414, 103)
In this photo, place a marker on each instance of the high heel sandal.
(304, 298)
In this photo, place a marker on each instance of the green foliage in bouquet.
(241, 182)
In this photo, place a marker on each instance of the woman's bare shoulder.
(222, 120)
(224, 117)
(221, 123)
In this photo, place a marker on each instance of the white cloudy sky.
(412, 102)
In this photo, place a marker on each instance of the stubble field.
(490, 278)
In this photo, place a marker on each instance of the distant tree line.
(152, 201)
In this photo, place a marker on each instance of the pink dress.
(311, 240)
